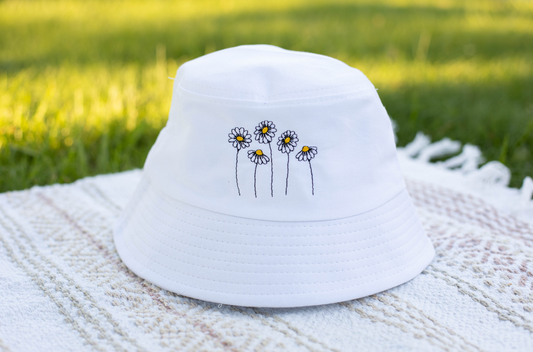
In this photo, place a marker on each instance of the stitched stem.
(255, 180)
(287, 180)
(271, 171)
(312, 182)
(236, 175)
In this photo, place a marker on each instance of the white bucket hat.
(274, 184)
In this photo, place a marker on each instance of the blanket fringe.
(492, 174)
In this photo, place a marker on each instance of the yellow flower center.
(240, 139)
(264, 130)
(259, 152)
(305, 149)
(287, 140)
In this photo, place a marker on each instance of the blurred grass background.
(84, 88)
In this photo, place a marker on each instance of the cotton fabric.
(228, 213)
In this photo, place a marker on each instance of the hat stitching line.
(268, 264)
(283, 294)
(370, 238)
(292, 272)
(294, 226)
(216, 88)
(229, 101)
(281, 255)
(195, 95)
(406, 198)
(287, 284)
(250, 234)
(267, 96)
(244, 234)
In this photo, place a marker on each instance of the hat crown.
(265, 133)
(266, 73)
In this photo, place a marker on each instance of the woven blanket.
(64, 288)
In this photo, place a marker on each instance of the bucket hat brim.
(237, 261)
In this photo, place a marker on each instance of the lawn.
(84, 87)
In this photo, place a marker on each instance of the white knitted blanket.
(64, 288)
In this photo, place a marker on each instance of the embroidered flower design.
(239, 139)
(286, 143)
(307, 154)
(258, 158)
(264, 133)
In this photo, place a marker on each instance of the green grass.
(84, 88)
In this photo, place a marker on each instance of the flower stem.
(287, 180)
(255, 179)
(312, 182)
(271, 172)
(236, 175)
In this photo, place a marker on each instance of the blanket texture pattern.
(64, 288)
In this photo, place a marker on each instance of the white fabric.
(249, 262)
(64, 288)
(328, 104)
(489, 182)
(325, 220)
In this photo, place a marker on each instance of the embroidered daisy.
(239, 139)
(307, 154)
(264, 133)
(258, 158)
(286, 143)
